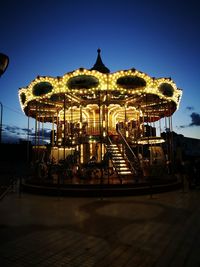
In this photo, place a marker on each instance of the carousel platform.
(101, 188)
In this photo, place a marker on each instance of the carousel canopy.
(155, 98)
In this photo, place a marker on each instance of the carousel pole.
(64, 143)
(72, 127)
(106, 106)
(53, 133)
(42, 131)
(171, 138)
(1, 121)
(58, 136)
(28, 138)
(4, 61)
(80, 143)
(167, 132)
(100, 133)
(125, 119)
(38, 136)
(35, 141)
(107, 126)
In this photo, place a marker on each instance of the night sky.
(53, 37)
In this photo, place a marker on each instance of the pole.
(1, 122)
(28, 136)
(64, 118)
(4, 61)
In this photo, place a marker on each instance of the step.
(123, 169)
(118, 158)
(124, 172)
(120, 166)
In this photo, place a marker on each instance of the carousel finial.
(99, 66)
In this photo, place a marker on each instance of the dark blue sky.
(53, 37)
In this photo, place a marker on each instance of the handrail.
(108, 137)
(7, 188)
(127, 145)
(134, 162)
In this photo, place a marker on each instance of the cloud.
(11, 129)
(189, 108)
(26, 130)
(12, 134)
(195, 119)
(182, 126)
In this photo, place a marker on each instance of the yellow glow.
(81, 153)
(89, 99)
(150, 140)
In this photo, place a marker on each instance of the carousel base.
(101, 189)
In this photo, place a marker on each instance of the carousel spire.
(99, 66)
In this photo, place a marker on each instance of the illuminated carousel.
(107, 119)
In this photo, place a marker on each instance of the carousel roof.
(99, 66)
(159, 97)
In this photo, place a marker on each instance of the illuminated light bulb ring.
(122, 85)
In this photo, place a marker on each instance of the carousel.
(105, 126)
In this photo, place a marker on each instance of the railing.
(133, 160)
(5, 188)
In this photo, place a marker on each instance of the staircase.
(135, 163)
(119, 162)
